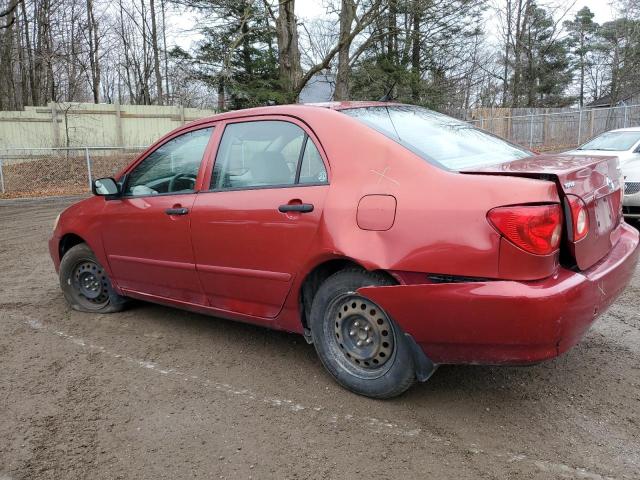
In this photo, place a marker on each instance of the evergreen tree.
(542, 69)
(238, 55)
(582, 33)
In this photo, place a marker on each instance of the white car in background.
(623, 143)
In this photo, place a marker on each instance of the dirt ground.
(159, 393)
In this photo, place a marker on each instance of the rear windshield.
(439, 139)
(613, 141)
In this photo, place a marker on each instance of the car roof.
(350, 104)
(628, 129)
(290, 109)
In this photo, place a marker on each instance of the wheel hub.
(91, 282)
(363, 332)
(89, 285)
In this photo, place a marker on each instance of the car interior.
(266, 153)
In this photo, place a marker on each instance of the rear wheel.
(85, 284)
(357, 342)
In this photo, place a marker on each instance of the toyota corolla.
(394, 238)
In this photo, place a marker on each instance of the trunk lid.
(595, 179)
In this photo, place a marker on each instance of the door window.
(172, 167)
(265, 154)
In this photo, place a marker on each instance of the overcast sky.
(601, 8)
(308, 9)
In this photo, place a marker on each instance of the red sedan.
(393, 238)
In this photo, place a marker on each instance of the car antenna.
(387, 96)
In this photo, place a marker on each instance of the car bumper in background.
(509, 322)
(631, 200)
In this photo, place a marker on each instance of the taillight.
(534, 228)
(579, 217)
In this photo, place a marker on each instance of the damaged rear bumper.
(509, 322)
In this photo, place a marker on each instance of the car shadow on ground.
(285, 357)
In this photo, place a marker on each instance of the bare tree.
(94, 49)
(156, 50)
(7, 13)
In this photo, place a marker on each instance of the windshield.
(613, 141)
(437, 138)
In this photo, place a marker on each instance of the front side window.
(437, 138)
(267, 153)
(613, 142)
(172, 167)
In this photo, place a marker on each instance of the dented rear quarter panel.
(438, 212)
(440, 223)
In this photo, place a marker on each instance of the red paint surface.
(236, 256)
(505, 321)
(376, 212)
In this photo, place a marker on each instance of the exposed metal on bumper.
(508, 322)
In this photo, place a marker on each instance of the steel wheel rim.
(366, 350)
(90, 283)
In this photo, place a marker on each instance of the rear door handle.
(176, 211)
(296, 207)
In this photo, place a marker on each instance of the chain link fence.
(35, 172)
(559, 131)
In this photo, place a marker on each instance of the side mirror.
(105, 187)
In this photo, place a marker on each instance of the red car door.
(146, 231)
(254, 226)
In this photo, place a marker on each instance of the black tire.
(85, 284)
(341, 320)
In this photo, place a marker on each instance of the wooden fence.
(88, 125)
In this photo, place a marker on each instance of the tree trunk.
(221, 105)
(392, 34)
(521, 19)
(6, 63)
(144, 73)
(166, 55)
(505, 78)
(582, 60)
(347, 15)
(126, 62)
(92, 27)
(288, 51)
(246, 49)
(415, 52)
(28, 47)
(156, 53)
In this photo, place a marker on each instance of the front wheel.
(357, 342)
(85, 284)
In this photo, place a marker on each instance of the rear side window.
(312, 168)
(268, 153)
(437, 138)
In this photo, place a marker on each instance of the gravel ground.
(159, 393)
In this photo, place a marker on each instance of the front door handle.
(296, 207)
(176, 211)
